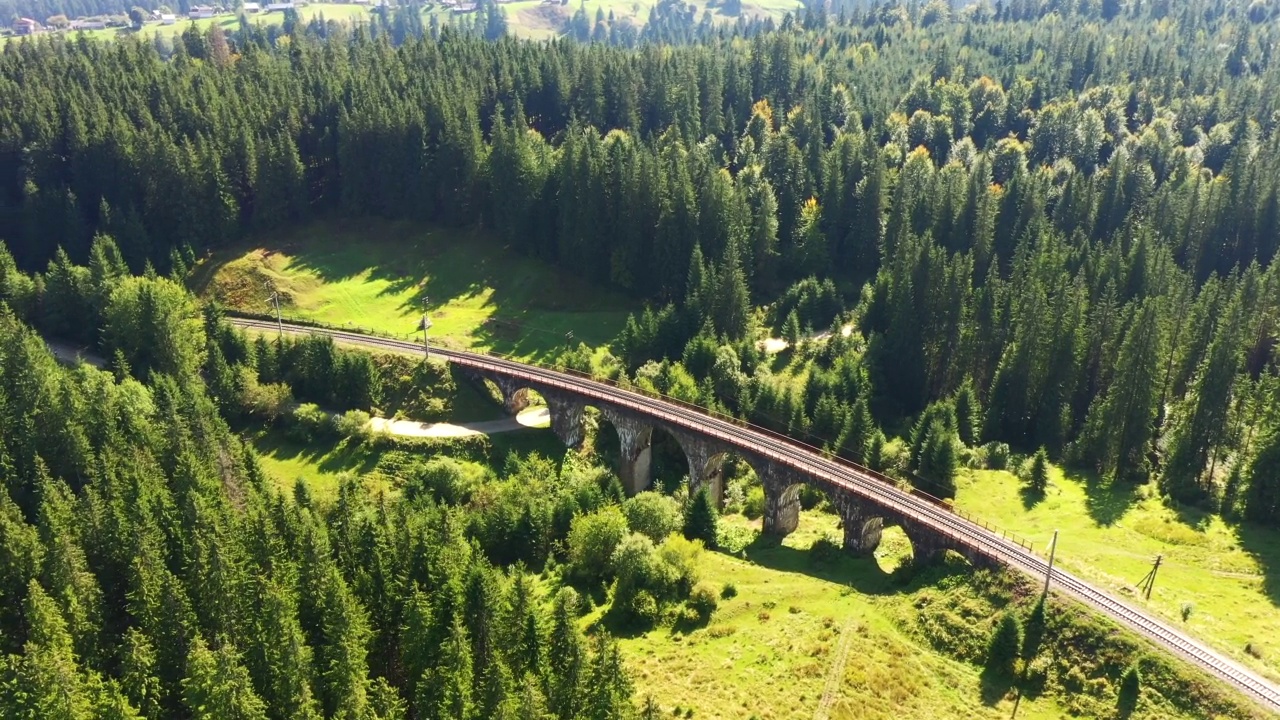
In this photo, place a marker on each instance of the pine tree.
(445, 692)
(1005, 647)
(217, 686)
(1038, 474)
(1119, 427)
(701, 518)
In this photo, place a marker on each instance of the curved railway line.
(862, 481)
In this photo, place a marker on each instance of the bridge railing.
(825, 453)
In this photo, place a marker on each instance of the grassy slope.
(375, 275)
(769, 652)
(1110, 536)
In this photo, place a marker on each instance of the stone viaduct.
(862, 519)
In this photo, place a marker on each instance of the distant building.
(26, 26)
(464, 8)
(201, 12)
(168, 18)
(252, 7)
(280, 6)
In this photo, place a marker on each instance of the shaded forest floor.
(1110, 536)
(377, 275)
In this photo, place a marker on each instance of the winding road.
(853, 478)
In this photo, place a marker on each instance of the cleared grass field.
(377, 275)
(1111, 536)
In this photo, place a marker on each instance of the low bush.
(703, 600)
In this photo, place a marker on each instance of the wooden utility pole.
(1053, 549)
(1149, 581)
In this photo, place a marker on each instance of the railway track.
(859, 480)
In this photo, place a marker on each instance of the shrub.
(644, 609)
(353, 424)
(703, 600)
(825, 549)
(753, 505)
(996, 455)
(728, 591)
(635, 565)
(308, 423)
(444, 478)
(679, 557)
(700, 518)
(1006, 643)
(653, 514)
(592, 540)
(1187, 609)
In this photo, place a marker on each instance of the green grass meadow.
(377, 275)
(1110, 536)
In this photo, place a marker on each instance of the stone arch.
(706, 463)
(635, 448)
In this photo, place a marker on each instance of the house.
(168, 18)
(93, 24)
(252, 7)
(281, 6)
(200, 12)
(464, 8)
(26, 26)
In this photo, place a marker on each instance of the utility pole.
(1148, 582)
(426, 323)
(275, 298)
(1053, 548)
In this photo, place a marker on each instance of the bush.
(444, 478)
(728, 591)
(653, 514)
(269, 401)
(353, 424)
(308, 423)
(680, 558)
(825, 549)
(635, 565)
(644, 609)
(703, 600)
(996, 455)
(753, 505)
(592, 541)
(1006, 644)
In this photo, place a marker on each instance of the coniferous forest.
(1033, 227)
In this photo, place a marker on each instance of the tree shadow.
(1107, 501)
(1263, 543)
(1031, 496)
(995, 686)
(862, 574)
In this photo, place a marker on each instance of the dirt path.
(534, 417)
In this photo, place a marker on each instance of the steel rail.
(841, 474)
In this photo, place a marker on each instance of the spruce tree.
(1005, 647)
(701, 518)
